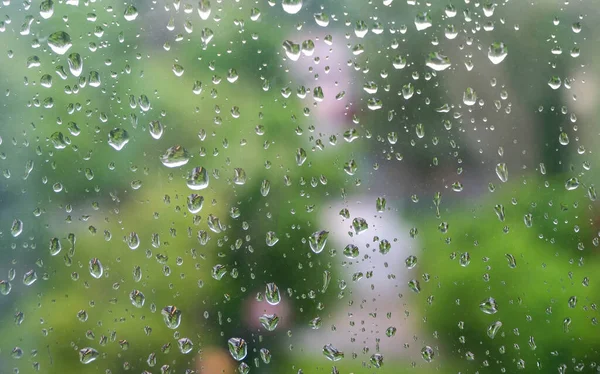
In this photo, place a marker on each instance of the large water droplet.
(318, 240)
(55, 246)
(238, 348)
(75, 64)
(198, 178)
(95, 268)
(137, 298)
(171, 316)
(118, 138)
(291, 6)
(497, 52)
(87, 355)
(130, 13)
(272, 294)
(59, 42)
(269, 321)
(489, 306)
(493, 329)
(423, 21)
(185, 345)
(502, 172)
(437, 61)
(175, 156)
(332, 353)
(16, 228)
(46, 9)
(195, 203)
(427, 353)
(572, 184)
(156, 129)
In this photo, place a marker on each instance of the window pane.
(296, 186)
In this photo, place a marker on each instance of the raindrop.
(87, 355)
(95, 268)
(204, 9)
(502, 172)
(272, 238)
(469, 97)
(16, 228)
(156, 129)
(272, 294)
(75, 64)
(359, 225)
(410, 262)
(427, 353)
(376, 360)
(237, 348)
(5, 287)
(497, 52)
(197, 178)
(131, 13)
(489, 306)
(171, 316)
(318, 240)
(292, 50)
(332, 353)
(59, 42)
(423, 21)
(351, 251)
(572, 184)
(269, 321)
(437, 61)
(239, 176)
(493, 329)
(55, 246)
(175, 156)
(195, 203)
(291, 6)
(185, 345)
(46, 9)
(118, 138)
(132, 240)
(137, 298)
